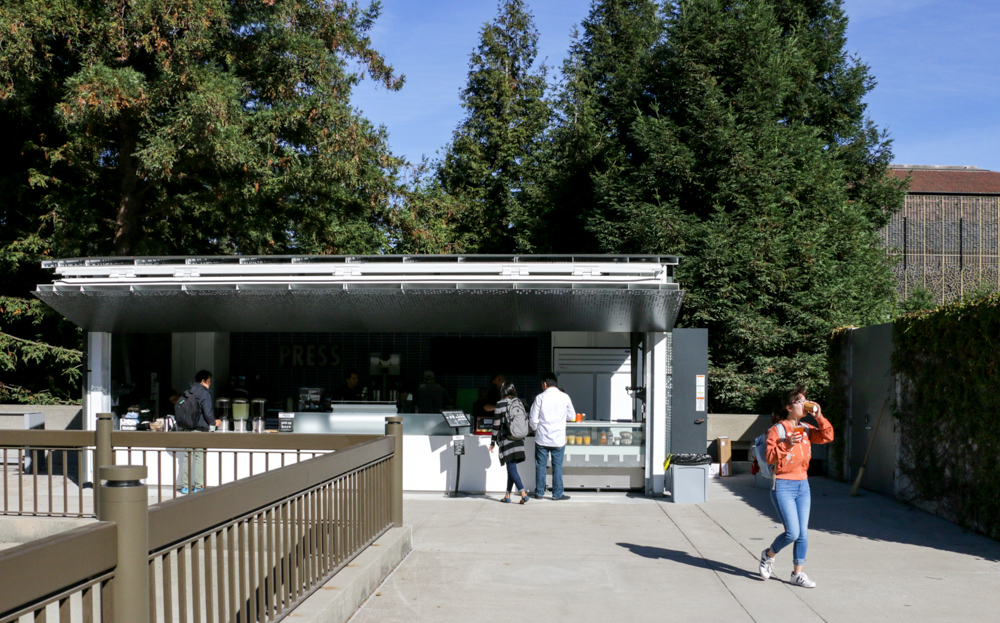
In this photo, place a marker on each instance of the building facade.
(947, 236)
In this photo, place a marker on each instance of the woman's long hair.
(507, 390)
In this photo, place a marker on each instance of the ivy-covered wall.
(949, 410)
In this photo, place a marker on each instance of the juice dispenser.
(258, 409)
(223, 413)
(241, 412)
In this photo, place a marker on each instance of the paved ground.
(611, 557)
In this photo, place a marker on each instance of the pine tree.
(604, 90)
(748, 152)
(490, 167)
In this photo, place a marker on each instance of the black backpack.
(187, 411)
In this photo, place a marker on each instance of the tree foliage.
(738, 140)
(163, 127)
(208, 126)
(490, 168)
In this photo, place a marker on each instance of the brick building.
(946, 236)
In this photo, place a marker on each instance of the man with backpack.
(549, 413)
(194, 411)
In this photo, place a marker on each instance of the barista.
(431, 397)
(351, 390)
(493, 394)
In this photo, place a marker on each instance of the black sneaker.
(562, 497)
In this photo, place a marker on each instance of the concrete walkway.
(610, 557)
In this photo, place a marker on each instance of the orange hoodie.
(792, 460)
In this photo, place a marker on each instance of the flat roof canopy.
(366, 293)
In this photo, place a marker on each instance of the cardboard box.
(725, 446)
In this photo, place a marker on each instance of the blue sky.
(936, 63)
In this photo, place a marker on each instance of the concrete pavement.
(613, 557)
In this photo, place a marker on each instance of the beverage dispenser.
(258, 410)
(223, 413)
(241, 412)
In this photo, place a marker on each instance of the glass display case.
(605, 444)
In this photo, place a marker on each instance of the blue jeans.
(513, 478)
(541, 461)
(792, 500)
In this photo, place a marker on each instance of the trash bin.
(688, 483)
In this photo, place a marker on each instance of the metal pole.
(104, 453)
(124, 500)
(394, 427)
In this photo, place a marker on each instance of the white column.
(98, 398)
(655, 380)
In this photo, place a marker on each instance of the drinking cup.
(800, 429)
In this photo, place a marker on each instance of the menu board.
(456, 419)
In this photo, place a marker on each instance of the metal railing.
(45, 472)
(250, 550)
(38, 584)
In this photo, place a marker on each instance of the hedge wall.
(949, 409)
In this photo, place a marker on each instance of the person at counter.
(431, 397)
(202, 394)
(493, 396)
(549, 413)
(351, 390)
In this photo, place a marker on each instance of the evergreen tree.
(208, 126)
(787, 180)
(489, 168)
(749, 153)
(161, 127)
(604, 91)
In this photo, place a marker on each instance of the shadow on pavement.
(870, 516)
(683, 557)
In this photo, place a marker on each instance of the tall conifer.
(747, 151)
(490, 166)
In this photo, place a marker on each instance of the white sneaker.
(801, 579)
(766, 564)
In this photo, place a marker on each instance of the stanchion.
(124, 500)
(104, 454)
(394, 427)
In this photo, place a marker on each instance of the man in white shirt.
(549, 413)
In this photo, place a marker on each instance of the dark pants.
(513, 478)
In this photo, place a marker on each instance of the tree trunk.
(127, 221)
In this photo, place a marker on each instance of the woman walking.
(511, 450)
(789, 455)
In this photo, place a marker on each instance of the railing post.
(103, 454)
(394, 427)
(124, 501)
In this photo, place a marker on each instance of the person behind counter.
(494, 395)
(351, 390)
(431, 397)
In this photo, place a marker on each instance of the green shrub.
(949, 409)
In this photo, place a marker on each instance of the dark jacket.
(205, 406)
